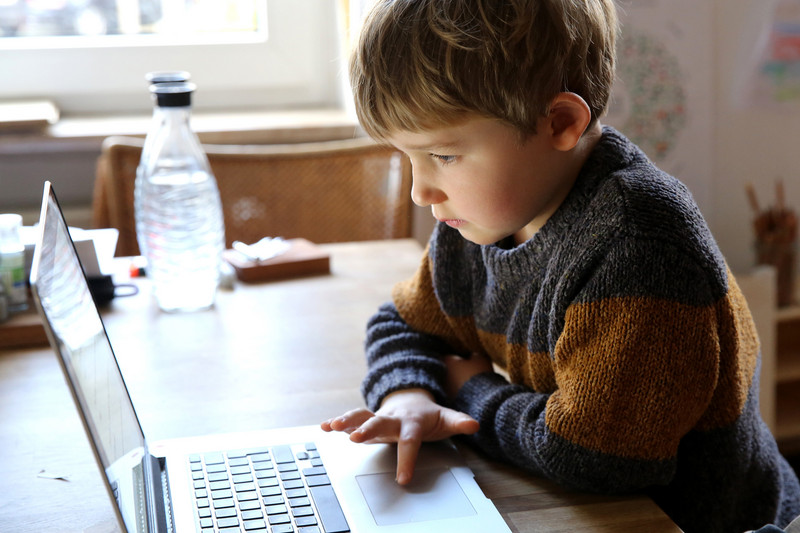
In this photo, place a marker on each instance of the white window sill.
(86, 133)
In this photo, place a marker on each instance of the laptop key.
(252, 515)
(214, 458)
(225, 513)
(330, 512)
(273, 500)
(299, 502)
(305, 521)
(245, 487)
(274, 490)
(221, 504)
(279, 519)
(315, 481)
(246, 496)
(287, 467)
(282, 454)
(236, 454)
(219, 485)
(282, 528)
(218, 476)
(275, 509)
(302, 511)
(295, 493)
(255, 525)
(238, 461)
(227, 522)
(249, 505)
(221, 494)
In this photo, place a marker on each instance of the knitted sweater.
(631, 355)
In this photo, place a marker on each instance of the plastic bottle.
(3, 304)
(12, 263)
(179, 222)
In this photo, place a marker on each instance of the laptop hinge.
(159, 509)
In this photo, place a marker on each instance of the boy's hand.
(460, 370)
(407, 417)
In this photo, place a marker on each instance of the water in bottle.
(179, 221)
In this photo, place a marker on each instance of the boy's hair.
(426, 63)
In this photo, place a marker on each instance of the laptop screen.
(77, 334)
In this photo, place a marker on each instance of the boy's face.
(480, 178)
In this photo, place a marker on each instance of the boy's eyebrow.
(430, 147)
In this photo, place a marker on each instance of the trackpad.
(431, 495)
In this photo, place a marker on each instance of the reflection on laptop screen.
(77, 330)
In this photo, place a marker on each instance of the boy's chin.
(481, 239)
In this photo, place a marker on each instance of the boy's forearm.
(513, 422)
(399, 358)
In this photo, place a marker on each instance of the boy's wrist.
(403, 395)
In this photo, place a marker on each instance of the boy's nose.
(424, 194)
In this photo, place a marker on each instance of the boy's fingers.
(377, 429)
(407, 452)
(349, 421)
(464, 424)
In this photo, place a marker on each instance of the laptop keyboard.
(279, 489)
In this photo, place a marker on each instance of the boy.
(563, 256)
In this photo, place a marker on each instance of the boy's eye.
(444, 159)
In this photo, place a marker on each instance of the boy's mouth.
(453, 222)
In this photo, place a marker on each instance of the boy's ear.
(568, 118)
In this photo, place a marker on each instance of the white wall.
(751, 144)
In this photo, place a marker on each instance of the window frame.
(296, 63)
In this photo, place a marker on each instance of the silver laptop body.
(202, 484)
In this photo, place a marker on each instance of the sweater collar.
(612, 152)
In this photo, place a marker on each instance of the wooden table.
(267, 355)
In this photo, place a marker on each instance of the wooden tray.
(23, 330)
(304, 258)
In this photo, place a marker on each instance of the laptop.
(297, 479)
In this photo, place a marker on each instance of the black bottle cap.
(171, 94)
(167, 76)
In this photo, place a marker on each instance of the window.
(90, 56)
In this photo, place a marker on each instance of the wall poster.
(662, 97)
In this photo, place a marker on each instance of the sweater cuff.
(399, 379)
(475, 393)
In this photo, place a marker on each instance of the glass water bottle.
(179, 222)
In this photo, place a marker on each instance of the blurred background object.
(775, 230)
